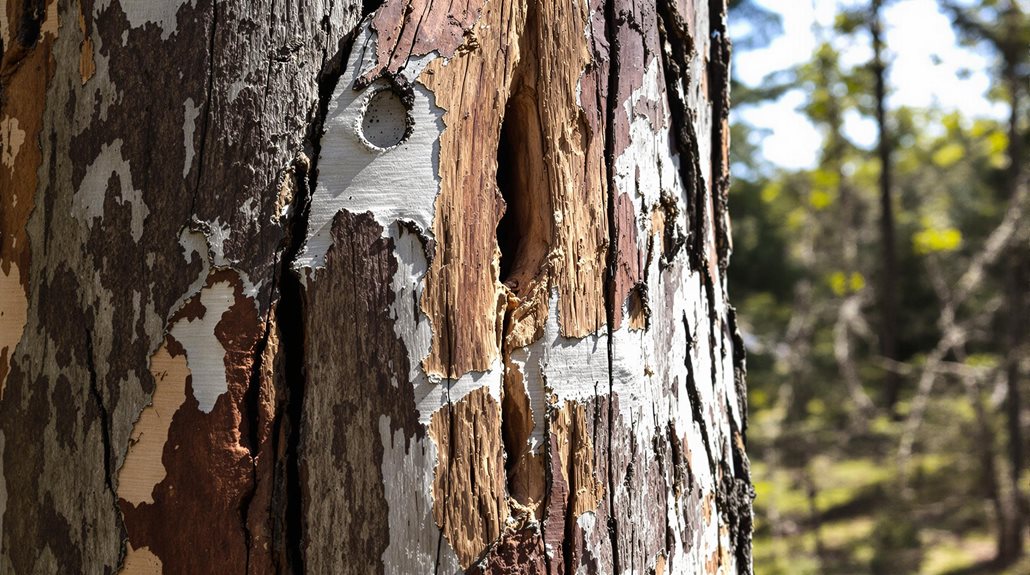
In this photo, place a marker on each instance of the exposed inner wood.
(143, 468)
(524, 234)
(13, 309)
(140, 562)
(522, 71)
(469, 491)
(463, 296)
(527, 481)
(87, 66)
(576, 457)
(574, 159)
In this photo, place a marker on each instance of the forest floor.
(829, 501)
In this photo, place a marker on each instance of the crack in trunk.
(207, 107)
(105, 432)
(695, 397)
(672, 32)
(252, 415)
(612, 20)
(719, 97)
(289, 317)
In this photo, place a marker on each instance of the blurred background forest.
(881, 268)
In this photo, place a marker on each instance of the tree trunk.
(339, 287)
(888, 272)
(1013, 523)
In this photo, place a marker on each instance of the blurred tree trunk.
(1017, 283)
(1009, 35)
(889, 271)
(1011, 42)
(339, 287)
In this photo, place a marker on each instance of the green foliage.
(807, 245)
(931, 240)
(896, 543)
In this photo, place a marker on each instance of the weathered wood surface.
(405, 288)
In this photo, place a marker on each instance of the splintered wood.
(554, 303)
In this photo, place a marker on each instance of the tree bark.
(1013, 524)
(888, 272)
(339, 287)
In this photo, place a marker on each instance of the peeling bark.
(347, 287)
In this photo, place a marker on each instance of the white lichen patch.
(577, 369)
(217, 233)
(88, 202)
(189, 127)
(408, 469)
(646, 168)
(431, 394)
(399, 183)
(205, 354)
(140, 13)
(572, 368)
(410, 324)
(414, 329)
(194, 244)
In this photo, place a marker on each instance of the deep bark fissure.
(740, 501)
(679, 47)
(570, 504)
(245, 502)
(450, 431)
(105, 433)
(719, 85)
(509, 230)
(30, 23)
(251, 412)
(694, 396)
(208, 104)
(714, 328)
(369, 6)
(739, 369)
(524, 237)
(290, 318)
(252, 395)
(449, 329)
(549, 457)
(103, 415)
(612, 21)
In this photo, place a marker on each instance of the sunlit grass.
(946, 553)
(839, 504)
(840, 482)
